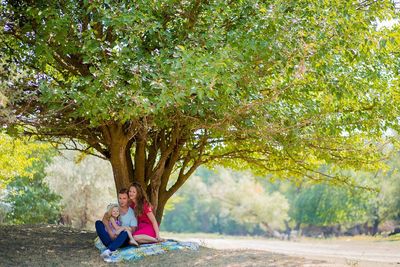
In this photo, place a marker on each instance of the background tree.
(324, 205)
(84, 186)
(17, 156)
(246, 201)
(158, 87)
(21, 181)
(236, 203)
(226, 202)
(29, 197)
(384, 203)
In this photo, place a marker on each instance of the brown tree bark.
(121, 165)
(154, 160)
(140, 158)
(119, 144)
(162, 201)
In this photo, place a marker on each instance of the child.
(115, 224)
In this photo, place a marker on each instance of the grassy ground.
(51, 245)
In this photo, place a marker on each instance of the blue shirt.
(128, 219)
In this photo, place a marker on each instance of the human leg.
(132, 241)
(119, 241)
(102, 233)
(143, 239)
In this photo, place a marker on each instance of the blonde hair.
(110, 207)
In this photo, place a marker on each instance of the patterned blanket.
(135, 253)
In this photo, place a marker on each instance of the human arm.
(128, 229)
(132, 220)
(118, 228)
(153, 220)
(131, 228)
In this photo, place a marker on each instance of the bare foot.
(160, 240)
(133, 243)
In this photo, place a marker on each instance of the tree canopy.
(158, 87)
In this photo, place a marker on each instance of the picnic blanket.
(130, 253)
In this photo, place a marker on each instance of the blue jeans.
(121, 240)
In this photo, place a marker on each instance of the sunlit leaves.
(285, 85)
(17, 156)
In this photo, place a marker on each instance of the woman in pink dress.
(147, 230)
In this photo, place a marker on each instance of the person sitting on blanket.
(147, 230)
(127, 218)
(116, 227)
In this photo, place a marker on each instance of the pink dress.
(145, 227)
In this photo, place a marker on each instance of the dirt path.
(337, 252)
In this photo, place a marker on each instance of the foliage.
(17, 156)
(283, 86)
(30, 198)
(323, 204)
(85, 187)
(225, 202)
(384, 204)
(246, 201)
(376, 200)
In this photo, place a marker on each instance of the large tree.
(161, 87)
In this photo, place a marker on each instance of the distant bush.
(86, 185)
(30, 199)
(226, 202)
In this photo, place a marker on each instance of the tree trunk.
(288, 230)
(375, 226)
(124, 175)
(140, 159)
(119, 145)
(154, 160)
(121, 166)
(160, 208)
